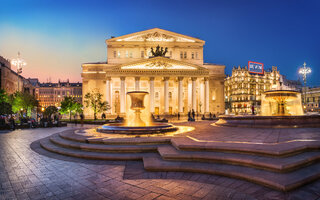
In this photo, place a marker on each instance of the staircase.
(281, 166)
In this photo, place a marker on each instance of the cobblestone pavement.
(33, 173)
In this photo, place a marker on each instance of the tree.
(50, 110)
(3, 96)
(5, 108)
(23, 101)
(69, 106)
(94, 100)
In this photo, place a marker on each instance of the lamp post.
(19, 63)
(304, 71)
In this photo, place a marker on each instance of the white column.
(123, 95)
(206, 95)
(180, 94)
(166, 95)
(194, 94)
(108, 92)
(137, 84)
(151, 84)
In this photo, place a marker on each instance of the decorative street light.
(19, 63)
(304, 71)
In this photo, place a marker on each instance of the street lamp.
(304, 71)
(19, 63)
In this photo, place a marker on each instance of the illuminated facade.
(51, 94)
(312, 99)
(176, 82)
(243, 89)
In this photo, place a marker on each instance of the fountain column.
(123, 95)
(151, 83)
(194, 93)
(108, 92)
(166, 95)
(137, 84)
(180, 94)
(206, 95)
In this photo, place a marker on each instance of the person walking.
(178, 116)
(193, 114)
(12, 123)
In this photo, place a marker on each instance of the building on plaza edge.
(178, 81)
(243, 89)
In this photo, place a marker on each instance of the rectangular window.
(196, 55)
(130, 55)
(192, 55)
(181, 54)
(118, 54)
(170, 54)
(127, 54)
(185, 54)
(114, 54)
(142, 54)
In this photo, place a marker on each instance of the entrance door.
(170, 110)
(156, 110)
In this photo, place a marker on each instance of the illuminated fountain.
(279, 109)
(281, 103)
(134, 124)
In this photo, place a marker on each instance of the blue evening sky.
(56, 36)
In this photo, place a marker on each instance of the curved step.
(46, 144)
(276, 150)
(278, 181)
(70, 135)
(285, 164)
(57, 140)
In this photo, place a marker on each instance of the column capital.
(206, 78)
(137, 78)
(193, 78)
(180, 78)
(166, 78)
(122, 78)
(108, 78)
(151, 78)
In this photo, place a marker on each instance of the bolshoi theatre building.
(166, 64)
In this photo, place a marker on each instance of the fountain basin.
(139, 130)
(299, 121)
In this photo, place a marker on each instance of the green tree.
(3, 96)
(5, 108)
(23, 101)
(70, 106)
(50, 111)
(94, 100)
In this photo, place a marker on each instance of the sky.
(55, 37)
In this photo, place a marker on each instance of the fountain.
(137, 125)
(279, 109)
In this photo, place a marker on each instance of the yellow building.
(243, 89)
(174, 74)
(312, 98)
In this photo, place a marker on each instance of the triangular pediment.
(159, 63)
(156, 35)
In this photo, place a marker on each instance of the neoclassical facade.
(178, 81)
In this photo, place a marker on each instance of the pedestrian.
(178, 115)
(193, 114)
(12, 123)
(81, 118)
(103, 116)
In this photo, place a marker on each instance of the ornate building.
(173, 73)
(51, 94)
(243, 89)
(312, 98)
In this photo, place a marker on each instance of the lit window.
(130, 55)
(118, 54)
(127, 54)
(142, 54)
(196, 55)
(157, 95)
(170, 54)
(170, 95)
(114, 54)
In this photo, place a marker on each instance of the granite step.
(274, 180)
(47, 145)
(70, 135)
(57, 140)
(284, 164)
(284, 149)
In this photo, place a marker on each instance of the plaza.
(28, 171)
